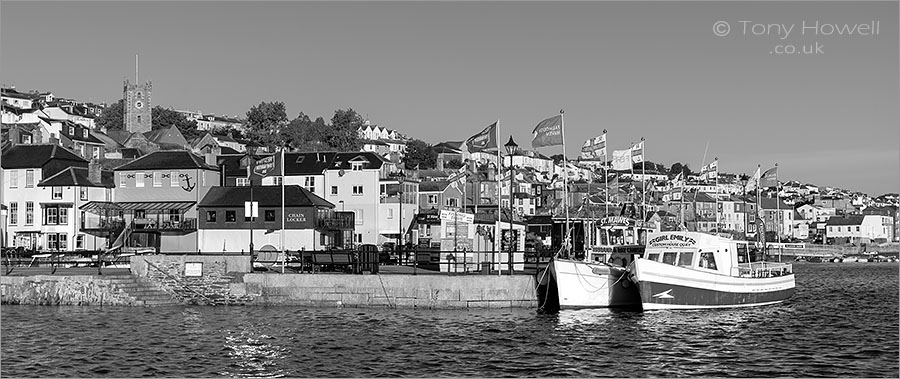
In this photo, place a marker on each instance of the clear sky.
(442, 71)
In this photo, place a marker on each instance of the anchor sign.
(186, 183)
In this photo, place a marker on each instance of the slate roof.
(166, 159)
(267, 196)
(317, 163)
(77, 177)
(36, 156)
(847, 220)
(433, 186)
(79, 133)
(225, 150)
(119, 135)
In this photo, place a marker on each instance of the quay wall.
(62, 290)
(395, 291)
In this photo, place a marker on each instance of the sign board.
(466, 218)
(265, 166)
(299, 219)
(251, 209)
(193, 269)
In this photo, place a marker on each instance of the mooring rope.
(384, 289)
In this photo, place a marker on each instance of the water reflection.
(252, 354)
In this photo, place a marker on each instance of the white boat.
(689, 270)
(600, 279)
(593, 283)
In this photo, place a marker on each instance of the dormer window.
(85, 133)
(356, 166)
(71, 130)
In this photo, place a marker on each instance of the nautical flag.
(486, 139)
(768, 178)
(587, 150)
(621, 160)
(548, 132)
(753, 181)
(594, 147)
(710, 171)
(637, 152)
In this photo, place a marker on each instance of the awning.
(64, 205)
(100, 205)
(156, 205)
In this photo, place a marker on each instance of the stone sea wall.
(192, 279)
(62, 290)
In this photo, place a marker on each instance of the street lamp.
(510, 149)
(400, 177)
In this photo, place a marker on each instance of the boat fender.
(626, 284)
(600, 270)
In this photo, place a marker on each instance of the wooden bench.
(333, 261)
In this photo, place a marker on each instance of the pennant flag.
(753, 181)
(548, 132)
(268, 166)
(637, 152)
(621, 160)
(768, 178)
(486, 139)
(600, 145)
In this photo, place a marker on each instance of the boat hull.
(592, 285)
(664, 286)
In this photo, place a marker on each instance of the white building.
(856, 228)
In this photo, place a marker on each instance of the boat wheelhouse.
(685, 270)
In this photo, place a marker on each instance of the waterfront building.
(815, 213)
(68, 112)
(157, 195)
(859, 229)
(779, 217)
(449, 151)
(235, 169)
(310, 222)
(442, 194)
(45, 185)
(80, 139)
(892, 211)
(360, 182)
(20, 100)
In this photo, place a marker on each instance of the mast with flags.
(550, 132)
(482, 141)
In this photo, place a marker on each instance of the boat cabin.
(711, 253)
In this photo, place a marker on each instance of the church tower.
(137, 104)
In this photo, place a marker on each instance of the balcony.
(183, 225)
(102, 225)
(336, 221)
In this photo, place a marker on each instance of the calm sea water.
(843, 321)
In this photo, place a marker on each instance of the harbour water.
(843, 321)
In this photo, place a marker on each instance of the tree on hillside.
(165, 117)
(113, 117)
(677, 168)
(344, 132)
(265, 123)
(307, 135)
(420, 153)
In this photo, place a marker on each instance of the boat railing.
(764, 269)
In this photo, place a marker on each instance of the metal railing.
(764, 269)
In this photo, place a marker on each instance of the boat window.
(653, 257)
(685, 259)
(599, 257)
(669, 258)
(708, 260)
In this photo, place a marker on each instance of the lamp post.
(510, 149)
(252, 219)
(744, 180)
(400, 177)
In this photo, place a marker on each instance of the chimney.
(94, 171)
(210, 159)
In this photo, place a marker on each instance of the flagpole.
(631, 163)
(562, 131)
(681, 206)
(499, 234)
(605, 174)
(758, 210)
(283, 216)
(778, 207)
(643, 180)
(717, 193)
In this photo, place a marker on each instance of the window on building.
(139, 119)
(451, 202)
(230, 216)
(13, 178)
(334, 190)
(174, 180)
(72, 131)
(57, 193)
(157, 179)
(358, 216)
(270, 215)
(51, 216)
(29, 213)
(79, 241)
(95, 153)
(242, 182)
(140, 213)
(390, 213)
(310, 183)
(357, 237)
(356, 166)
(13, 213)
(29, 178)
(122, 180)
(63, 216)
(82, 193)
(211, 216)
(139, 179)
(85, 133)
(357, 190)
